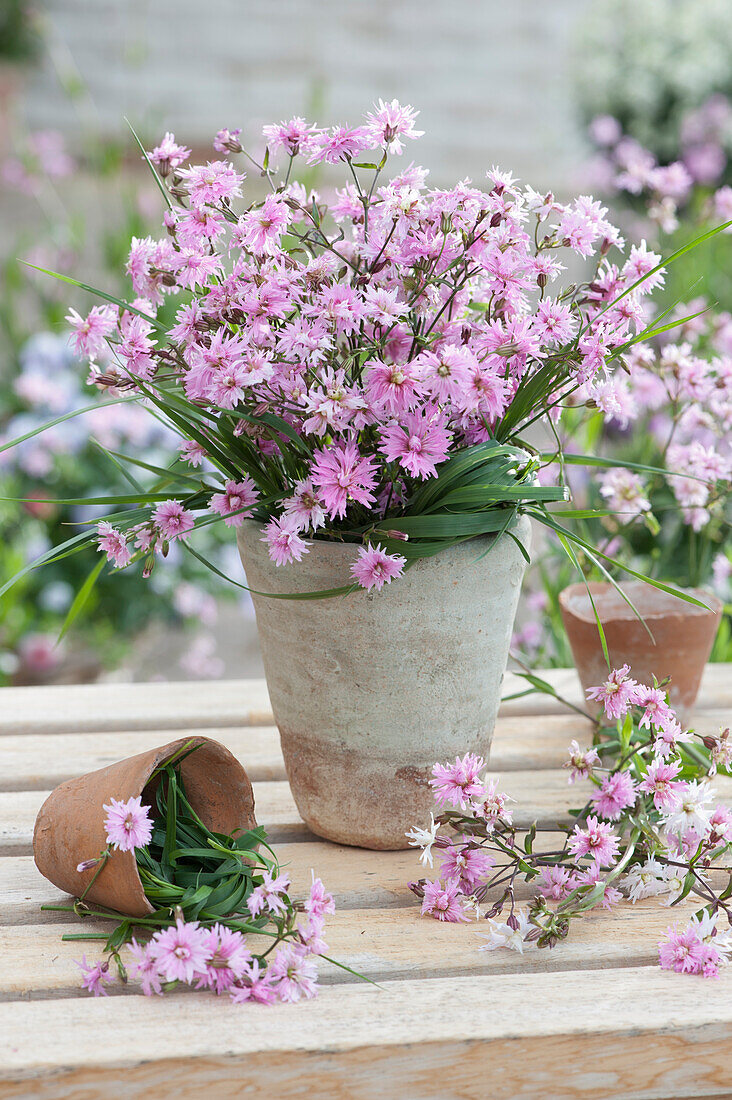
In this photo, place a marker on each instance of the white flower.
(502, 935)
(424, 838)
(645, 880)
(694, 811)
(705, 926)
(673, 883)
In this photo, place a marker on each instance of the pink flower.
(669, 736)
(227, 141)
(96, 975)
(260, 229)
(145, 969)
(623, 491)
(457, 783)
(395, 387)
(592, 876)
(598, 841)
(90, 332)
(342, 476)
(319, 902)
(444, 902)
(375, 568)
(227, 959)
(270, 895)
(657, 712)
(419, 440)
(446, 373)
(181, 952)
(212, 182)
(617, 694)
(194, 267)
(173, 521)
(256, 984)
(555, 882)
(720, 822)
(283, 542)
(340, 143)
(617, 793)
(295, 136)
(303, 507)
(168, 154)
(682, 951)
(192, 452)
(581, 762)
(555, 322)
(659, 782)
(236, 495)
(294, 973)
(639, 264)
(127, 824)
(388, 123)
(490, 803)
(311, 936)
(465, 864)
(114, 544)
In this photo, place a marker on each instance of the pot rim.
(624, 613)
(335, 545)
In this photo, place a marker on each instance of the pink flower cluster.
(603, 857)
(351, 346)
(697, 949)
(217, 958)
(626, 165)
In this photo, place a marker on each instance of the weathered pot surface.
(683, 635)
(70, 824)
(370, 689)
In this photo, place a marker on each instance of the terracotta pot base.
(683, 635)
(70, 824)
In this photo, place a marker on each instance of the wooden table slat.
(39, 761)
(111, 706)
(604, 1033)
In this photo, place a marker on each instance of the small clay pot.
(683, 635)
(70, 824)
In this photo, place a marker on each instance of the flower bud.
(86, 864)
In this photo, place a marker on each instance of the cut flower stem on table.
(651, 827)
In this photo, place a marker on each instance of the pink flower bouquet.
(362, 368)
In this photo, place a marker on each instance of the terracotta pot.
(70, 824)
(683, 635)
(370, 689)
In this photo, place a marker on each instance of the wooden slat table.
(593, 1017)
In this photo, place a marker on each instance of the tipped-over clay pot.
(70, 824)
(683, 635)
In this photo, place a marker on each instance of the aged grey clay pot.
(369, 690)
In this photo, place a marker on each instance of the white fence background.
(492, 78)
